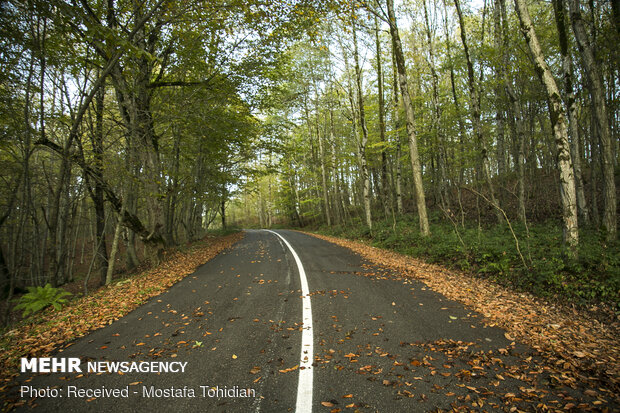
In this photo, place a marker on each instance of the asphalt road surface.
(372, 341)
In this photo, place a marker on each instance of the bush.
(491, 252)
(38, 298)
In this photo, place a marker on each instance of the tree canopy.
(149, 121)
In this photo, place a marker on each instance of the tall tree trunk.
(351, 194)
(338, 213)
(55, 221)
(518, 134)
(438, 139)
(223, 207)
(500, 68)
(514, 111)
(96, 194)
(132, 255)
(328, 217)
(599, 107)
(172, 190)
(384, 182)
(362, 119)
(571, 109)
(595, 155)
(114, 250)
(397, 49)
(474, 95)
(558, 123)
(396, 126)
(455, 98)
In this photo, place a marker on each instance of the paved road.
(379, 342)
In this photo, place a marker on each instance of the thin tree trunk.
(441, 188)
(597, 93)
(223, 208)
(413, 144)
(457, 106)
(396, 118)
(558, 122)
(571, 109)
(97, 195)
(518, 132)
(476, 115)
(323, 168)
(384, 184)
(338, 213)
(362, 119)
(500, 68)
(114, 250)
(594, 165)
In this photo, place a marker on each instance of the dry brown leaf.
(295, 367)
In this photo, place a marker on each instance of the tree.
(397, 49)
(474, 97)
(362, 120)
(558, 122)
(571, 108)
(597, 96)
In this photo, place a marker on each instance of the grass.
(545, 270)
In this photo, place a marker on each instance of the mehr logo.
(72, 365)
(51, 365)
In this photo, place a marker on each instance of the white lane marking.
(304, 387)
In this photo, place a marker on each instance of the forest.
(482, 134)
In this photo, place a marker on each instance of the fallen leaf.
(295, 367)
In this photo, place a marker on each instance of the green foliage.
(490, 252)
(38, 298)
(494, 264)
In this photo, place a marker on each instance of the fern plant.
(38, 298)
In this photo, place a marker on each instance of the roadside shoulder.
(53, 329)
(577, 346)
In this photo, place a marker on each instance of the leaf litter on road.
(576, 350)
(53, 329)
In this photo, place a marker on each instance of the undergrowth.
(545, 270)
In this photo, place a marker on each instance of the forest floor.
(41, 334)
(577, 347)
